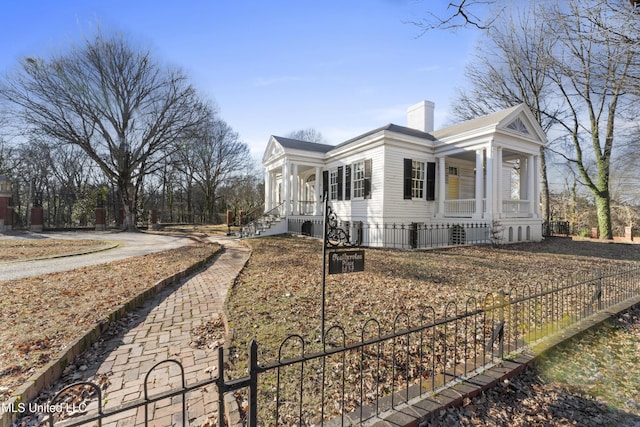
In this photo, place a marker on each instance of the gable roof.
(392, 128)
(460, 131)
(297, 144)
(479, 123)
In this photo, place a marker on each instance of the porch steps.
(266, 225)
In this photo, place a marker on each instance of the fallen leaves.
(279, 294)
(209, 335)
(41, 315)
(25, 249)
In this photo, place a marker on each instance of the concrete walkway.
(163, 331)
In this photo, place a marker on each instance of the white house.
(411, 186)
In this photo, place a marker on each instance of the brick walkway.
(165, 333)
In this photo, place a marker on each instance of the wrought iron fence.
(557, 228)
(345, 380)
(400, 235)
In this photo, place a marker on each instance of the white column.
(442, 190)
(490, 182)
(531, 185)
(536, 185)
(499, 181)
(294, 190)
(523, 179)
(479, 182)
(268, 191)
(286, 187)
(318, 210)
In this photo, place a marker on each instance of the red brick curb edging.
(52, 371)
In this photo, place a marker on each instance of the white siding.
(362, 209)
(396, 208)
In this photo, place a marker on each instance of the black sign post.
(340, 261)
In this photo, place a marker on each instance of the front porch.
(489, 183)
(466, 208)
(295, 187)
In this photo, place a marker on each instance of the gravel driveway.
(130, 245)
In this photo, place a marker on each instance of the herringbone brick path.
(165, 333)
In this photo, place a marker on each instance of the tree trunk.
(603, 210)
(546, 209)
(127, 192)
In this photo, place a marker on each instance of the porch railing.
(515, 208)
(308, 207)
(461, 208)
(264, 222)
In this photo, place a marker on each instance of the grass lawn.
(591, 380)
(279, 292)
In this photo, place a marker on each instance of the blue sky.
(271, 67)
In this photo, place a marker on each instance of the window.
(333, 184)
(358, 180)
(518, 126)
(416, 175)
(417, 179)
(345, 182)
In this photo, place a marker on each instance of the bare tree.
(570, 63)
(461, 13)
(245, 193)
(210, 157)
(71, 168)
(594, 74)
(510, 68)
(111, 99)
(309, 135)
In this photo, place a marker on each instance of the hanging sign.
(346, 261)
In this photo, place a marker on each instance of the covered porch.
(487, 183)
(295, 188)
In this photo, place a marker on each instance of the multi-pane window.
(333, 184)
(358, 179)
(417, 179)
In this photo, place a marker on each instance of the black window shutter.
(367, 179)
(340, 182)
(325, 184)
(408, 169)
(431, 181)
(347, 182)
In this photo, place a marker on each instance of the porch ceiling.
(302, 169)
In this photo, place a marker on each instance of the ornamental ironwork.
(336, 236)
